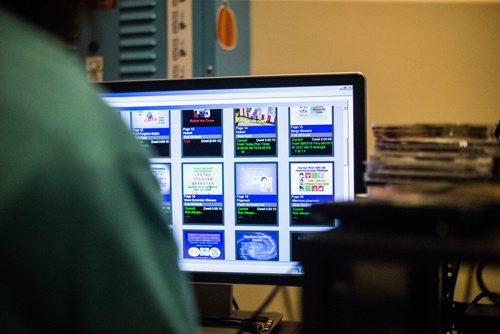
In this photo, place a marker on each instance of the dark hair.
(56, 16)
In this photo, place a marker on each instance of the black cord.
(235, 304)
(262, 307)
(288, 303)
(493, 296)
(478, 298)
(254, 324)
(266, 302)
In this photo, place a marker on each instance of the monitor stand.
(215, 302)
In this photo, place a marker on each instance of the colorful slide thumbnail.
(255, 131)
(202, 133)
(257, 246)
(152, 129)
(204, 245)
(256, 193)
(310, 183)
(163, 176)
(202, 188)
(311, 131)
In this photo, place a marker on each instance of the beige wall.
(424, 61)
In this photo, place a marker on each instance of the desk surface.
(284, 327)
(279, 326)
(288, 327)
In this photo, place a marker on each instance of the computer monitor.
(240, 160)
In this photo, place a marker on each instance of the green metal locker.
(146, 39)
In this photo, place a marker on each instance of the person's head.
(56, 16)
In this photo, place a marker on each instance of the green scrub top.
(84, 245)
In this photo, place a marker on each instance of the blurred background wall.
(424, 61)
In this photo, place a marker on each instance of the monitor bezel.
(356, 79)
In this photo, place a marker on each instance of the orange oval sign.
(225, 27)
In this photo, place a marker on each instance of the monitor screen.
(240, 161)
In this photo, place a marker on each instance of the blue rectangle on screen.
(242, 130)
(202, 131)
(164, 132)
(311, 198)
(304, 129)
(257, 246)
(203, 245)
(256, 198)
(203, 199)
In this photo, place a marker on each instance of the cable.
(255, 316)
(266, 302)
(493, 296)
(255, 324)
(235, 304)
(262, 307)
(478, 298)
(288, 303)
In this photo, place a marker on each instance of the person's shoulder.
(24, 39)
(49, 104)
